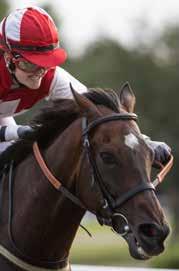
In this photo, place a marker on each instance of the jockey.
(29, 71)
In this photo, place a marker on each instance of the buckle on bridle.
(125, 228)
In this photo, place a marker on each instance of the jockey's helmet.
(32, 33)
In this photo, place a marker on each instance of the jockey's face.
(26, 72)
(30, 80)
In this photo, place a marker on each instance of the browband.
(112, 117)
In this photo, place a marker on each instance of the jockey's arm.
(60, 86)
(9, 130)
(59, 89)
(7, 121)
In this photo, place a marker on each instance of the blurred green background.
(106, 248)
(152, 69)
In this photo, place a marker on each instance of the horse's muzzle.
(151, 237)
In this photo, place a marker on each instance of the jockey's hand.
(14, 132)
(24, 132)
(162, 153)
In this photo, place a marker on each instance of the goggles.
(25, 65)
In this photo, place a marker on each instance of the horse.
(85, 153)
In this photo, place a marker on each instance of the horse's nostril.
(150, 230)
(151, 237)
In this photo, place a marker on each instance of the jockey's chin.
(30, 80)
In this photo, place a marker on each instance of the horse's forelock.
(106, 97)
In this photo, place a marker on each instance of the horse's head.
(114, 176)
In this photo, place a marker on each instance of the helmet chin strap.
(9, 63)
(16, 80)
(11, 68)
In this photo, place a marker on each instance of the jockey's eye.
(108, 158)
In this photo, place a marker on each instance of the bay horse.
(84, 154)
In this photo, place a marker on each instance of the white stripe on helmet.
(42, 11)
(13, 22)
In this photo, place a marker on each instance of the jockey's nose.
(40, 72)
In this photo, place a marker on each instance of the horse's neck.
(63, 155)
(50, 220)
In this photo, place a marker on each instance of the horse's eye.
(108, 158)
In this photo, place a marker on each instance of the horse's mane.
(53, 119)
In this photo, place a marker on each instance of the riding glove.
(24, 131)
(162, 152)
(14, 132)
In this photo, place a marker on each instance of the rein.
(26, 266)
(52, 179)
(165, 169)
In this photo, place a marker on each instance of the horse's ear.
(84, 103)
(127, 97)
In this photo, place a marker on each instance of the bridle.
(112, 203)
(109, 202)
